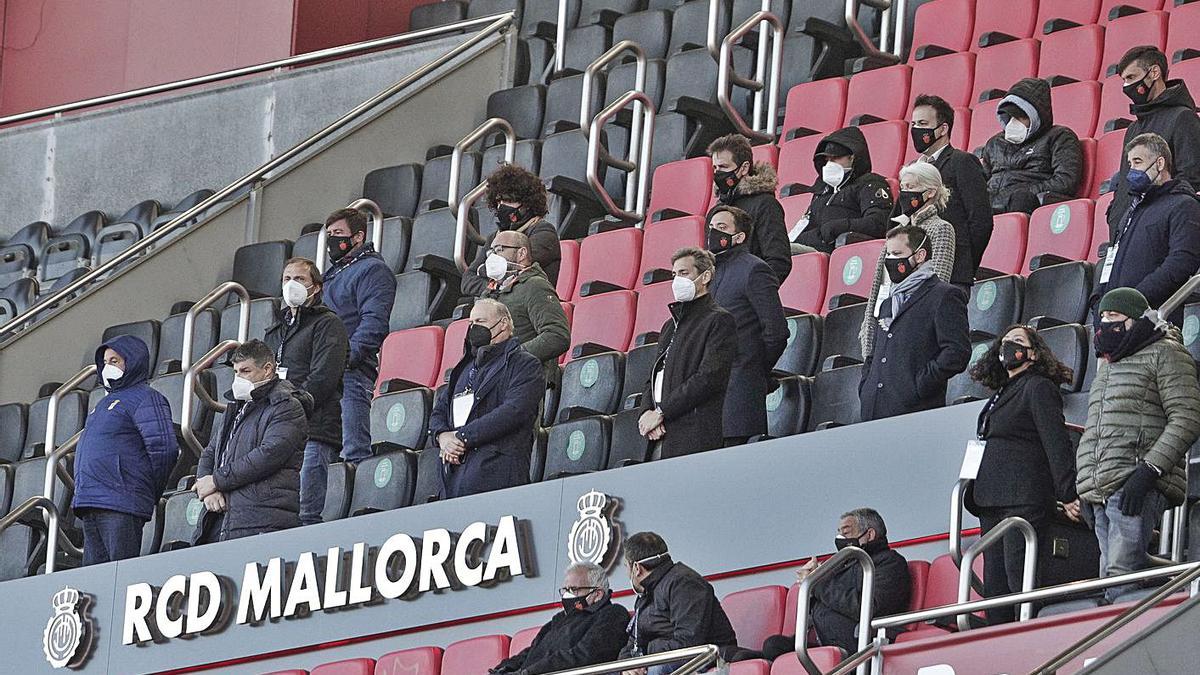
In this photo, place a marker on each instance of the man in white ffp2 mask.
(848, 197)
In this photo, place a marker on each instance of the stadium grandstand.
(353, 337)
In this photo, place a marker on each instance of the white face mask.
(242, 388)
(1015, 132)
(294, 293)
(683, 289)
(495, 266)
(833, 174)
(110, 373)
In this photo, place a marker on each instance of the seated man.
(539, 322)
(675, 609)
(848, 198)
(836, 600)
(1032, 161)
(589, 630)
(518, 199)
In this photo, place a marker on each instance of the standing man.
(745, 287)
(750, 186)
(1143, 415)
(683, 403)
(1161, 106)
(539, 322)
(921, 335)
(483, 420)
(311, 349)
(249, 475)
(360, 289)
(849, 198)
(125, 455)
(968, 210)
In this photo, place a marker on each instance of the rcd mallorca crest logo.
(68, 635)
(592, 535)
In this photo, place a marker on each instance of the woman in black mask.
(1028, 465)
(922, 199)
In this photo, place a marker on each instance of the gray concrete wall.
(167, 147)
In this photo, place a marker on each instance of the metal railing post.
(640, 167)
(639, 85)
(463, 229)
(211, 298)
(713, 41)
(560, 37)
(697, 659)
(376, 215)
(956, 518)
(189, 390)
(763, 131)
(884, 51)
(50, 514)
(826, 569)
(1028, 572)
(54, 468)
(52, 422)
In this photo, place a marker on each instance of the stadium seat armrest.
(1045, 260)
(431, 204)
(570, 188)
(760, 437)
(965, 399)
(630, 462)
(931, 51)
(689, 46)
(864, 119)
(825, 31)
(559, 126)
(667, 214)
(1106, 187)
(437, 266)
(647, 338)
(576, 412)
(1123, 10)
(462, 310)
(565, 474)
(397, 384)
(1184, 54)
(829, 425)
(632, 401)
(605, 17)
(170, 366)
(1055, 25)
(589, 349)
(383, 447)
(1059, 80)
(991, 94)
(793, 189)
(799, 132)
(1117, 124)
(607, 224)
(995, 37)
(981, 335)
(1043, 322)
(186, 483)
(845, 300)
(438, 151)
(656, 275)
(987, 273)
(175, 545)
(700, 110)
(838, 361)
(847, 238)
(590, 288)
(545, 30)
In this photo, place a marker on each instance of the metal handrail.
(376, 215)
(832, 566)
(639, 85)
(479, 133)
(1177, 298)
(1095, 637)
(635, 212)
(189, 389)
(713, 39)
(50, 513)
(54, 467)
(497, 23)
(994, 535)
(698, 658)
(889, 49)
(956, 517)
(52, 420)
(762, 130)
(210, 299)
(853, 661)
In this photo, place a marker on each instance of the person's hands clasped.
(808, 568)
(649, 421)
(452, 447)
(216, 503)
(205, 486)
(657, 433)
(634, 671)
(1073, 511)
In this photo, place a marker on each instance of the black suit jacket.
(969, 210)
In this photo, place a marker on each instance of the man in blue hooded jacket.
(125, 455)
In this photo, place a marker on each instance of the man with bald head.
(538, 320)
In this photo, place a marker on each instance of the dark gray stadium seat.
(1070, 344)
(305, 246)
(480, 8)
(190, 201)
(437, 14)
(125, 231)
(223, 382)
(1057, 294)
(839, 336)
(384, 482)
(7, 475)
(17, 297)
(788, 406)
(13, 419)
(591, 386)
(623, 77)
(19, 254)
(689, 26)
(19, 545)
(651, 30)
(60, 284)
(628, 446)
(995, 305)
(71, 247)
(607, 12)
(639, 363)
(152, 531)
(690, 118)
(257, 267)
(339, 485)
(537, 457)
(180, 516)
(573, 204)
(585, 44)
(395, 189)
(742, 9)
(72, 411)
(961, 388)
(429, 476)
(171, 386)
(523, 107)
(435, 180)
(563, 101)
(800, 356)
(835, 397)
(416, 293)
(170, 343)
(578, 447)
(147, 331)
(540, 17)
(399, 420)
(262, 317)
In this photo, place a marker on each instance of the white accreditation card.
(972, 459)
(462, 407)
(800, 226)
(658, 378)
(1109, 259)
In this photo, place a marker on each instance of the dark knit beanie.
(1127, 301)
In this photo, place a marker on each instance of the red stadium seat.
(1108, 6)
(605, 319)
(1113, 104)
(1182, 29)
(568, 267)
(1074, 53)
(1189, 72)
(767, 152)
(825, 658)
(1147, 28)
(794, 208)
(851, 270)
(346, 667)
(944, 23)
(522, 640)
(789, 610)
(959, 135)
(942, 587)
(1064, 230)
(452, 345)
(984, 124)
(1081, 12)
(804, 288)
(887, 142)
(1015, 18)
(413, 355)
(1006, 249)
(816, 107)
(568, 309)
(1109, 151)
(756, 614)
(611, 257)
(1076, 105)
(660, 241)
(475, 656)
(683, 186)
(755, 667)
(1087, 148)
(879, 94)
(950, 77)
(288, 672)
(652, 308)
(418, 661)
(1001, 66)
(1100, 232)
(796, 162)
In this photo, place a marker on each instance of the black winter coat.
(837, 601)
(314, 350)
(581, 638)
(696, 349)
(927, 344)
(1173, 116)
(1045, 169)
(755, 194)
(543, 242)
(745, 287)
(862, 204)
(969, 210)
(1159, 248)
(1029, 460)
(256, 463)
(677, 610)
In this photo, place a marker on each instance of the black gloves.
(1139, 483)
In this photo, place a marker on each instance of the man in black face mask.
(745, 287)
(921, 334)
(835, 602)
(483, 420)
(750, 186)
(589, 630)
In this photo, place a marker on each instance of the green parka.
(539, 322)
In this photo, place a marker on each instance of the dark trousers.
(1004, 562)
(110, 535)
(482, 471)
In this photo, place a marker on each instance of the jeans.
(358, 387)
(314, 475)
(110, 535)
(1123, 539)
(665, 669)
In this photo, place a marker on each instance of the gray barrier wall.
(726, 510)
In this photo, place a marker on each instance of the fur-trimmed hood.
(762, 178)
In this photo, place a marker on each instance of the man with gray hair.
(484, 418)
(836, 601)
(1156, 245)
(589, 630)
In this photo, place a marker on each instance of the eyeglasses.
(576, 590)
(497, 248)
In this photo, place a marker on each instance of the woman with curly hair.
(1028, 465)
(518, 198)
